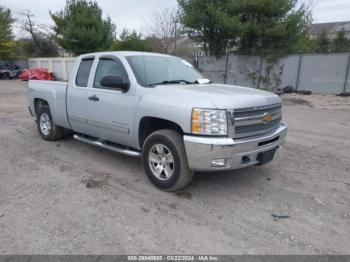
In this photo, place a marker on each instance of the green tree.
(268, 28)
(132, 42)
(323, 43)
(340, 43)
(7, 44)
(80, 27)
(210, 22)
(306, 45)
(27, 47)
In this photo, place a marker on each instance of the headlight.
(209, 122)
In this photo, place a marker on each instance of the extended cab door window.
(84, 72)
(109, 67)
(78, 97)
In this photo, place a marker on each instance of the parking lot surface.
(67, 197)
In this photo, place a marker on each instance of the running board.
(113, 148)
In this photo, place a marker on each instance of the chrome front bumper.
(215, 154)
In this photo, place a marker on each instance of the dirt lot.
(320, 101)
(70, 198)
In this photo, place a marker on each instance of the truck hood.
(224, 96)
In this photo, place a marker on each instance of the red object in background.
(37, 74)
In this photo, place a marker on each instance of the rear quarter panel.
(54, 93)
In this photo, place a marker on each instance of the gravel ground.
(320, 101)
(70, 198)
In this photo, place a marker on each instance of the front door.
(110, 110)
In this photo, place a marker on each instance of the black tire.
(305, 92)
(5, 76)
(54, 132)
(173, 141)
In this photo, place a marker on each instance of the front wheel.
(164, 160)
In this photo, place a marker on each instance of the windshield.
(153, 70)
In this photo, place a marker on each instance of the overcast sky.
(132, 14)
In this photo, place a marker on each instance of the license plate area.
(265, 157)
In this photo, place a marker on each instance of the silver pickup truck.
(160, 108)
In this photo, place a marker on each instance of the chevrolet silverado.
(160, 108)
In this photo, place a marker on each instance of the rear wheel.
(48, 130)
(164, 160)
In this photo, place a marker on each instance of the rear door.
(111, 112)
(78, 97)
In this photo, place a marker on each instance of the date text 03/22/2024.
(173, 258)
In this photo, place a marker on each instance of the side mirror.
(115, 82)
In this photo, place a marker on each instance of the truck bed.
(54, 92)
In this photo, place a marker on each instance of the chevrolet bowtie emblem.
(267, 118)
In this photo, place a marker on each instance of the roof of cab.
(124, 53)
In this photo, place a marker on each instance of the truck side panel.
(54, 93)
(155, 103)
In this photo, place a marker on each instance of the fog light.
(219, 162)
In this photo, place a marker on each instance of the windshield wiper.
(172, 82)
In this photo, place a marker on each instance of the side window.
(84, 72)
(109, 67)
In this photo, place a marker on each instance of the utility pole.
(175, 36)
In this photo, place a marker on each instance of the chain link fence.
(319, 73)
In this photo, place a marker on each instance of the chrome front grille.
(256, 120)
